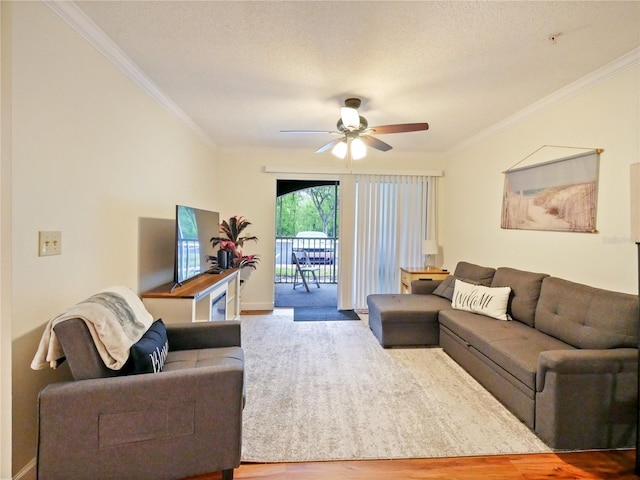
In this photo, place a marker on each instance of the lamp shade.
(429, 247)
(358, 149)
(355, 147)
(350, 117)
(635, 202)
(340, 149)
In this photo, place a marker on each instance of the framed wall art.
(557, 195)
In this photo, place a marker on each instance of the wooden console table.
(409, 274)
(206, 298)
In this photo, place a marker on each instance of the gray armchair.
(181, 422)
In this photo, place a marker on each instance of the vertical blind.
(393, 214)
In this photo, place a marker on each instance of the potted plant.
(233, 241)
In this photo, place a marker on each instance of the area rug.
(310, 314)
(319, 391)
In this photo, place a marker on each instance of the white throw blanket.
(116, 319)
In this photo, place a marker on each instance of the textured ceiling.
(243, 71)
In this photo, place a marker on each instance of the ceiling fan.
(355, 132)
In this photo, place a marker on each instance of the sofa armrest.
(582, 361)
(424, 287)
(193, 336)
(587, 397)
(89, 427)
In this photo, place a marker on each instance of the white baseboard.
(256, 306)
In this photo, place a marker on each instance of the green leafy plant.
(233, 241)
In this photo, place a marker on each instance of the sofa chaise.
(563, 357)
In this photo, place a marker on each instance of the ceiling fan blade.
(330, 145)
(375, 143)
(307, 131)
(400, 128)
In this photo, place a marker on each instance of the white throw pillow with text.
(489, 301)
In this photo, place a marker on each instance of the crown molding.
(82, 24)
(627, 61)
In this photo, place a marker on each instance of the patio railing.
(321, 252)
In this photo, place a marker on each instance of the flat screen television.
(194, 229)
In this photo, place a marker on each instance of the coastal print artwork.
(558, 195)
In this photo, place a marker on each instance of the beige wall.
(605, 116)
(92, 155)
(5, 250)
(251, 192)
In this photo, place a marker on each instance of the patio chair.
(305, 270)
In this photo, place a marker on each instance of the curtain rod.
(350, 171)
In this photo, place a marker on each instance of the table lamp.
(429, 249)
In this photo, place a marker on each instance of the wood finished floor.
(617, 464)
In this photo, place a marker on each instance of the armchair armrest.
(117, 427)
(424, 287)
(192, 336)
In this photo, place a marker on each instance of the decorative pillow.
(475, 273)
(489, 301)
(149, 353)
(445, 289)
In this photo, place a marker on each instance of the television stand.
(205, 298)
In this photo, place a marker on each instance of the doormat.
(326, 314)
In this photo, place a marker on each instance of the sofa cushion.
(204, 357)
(403, 308)
(587, 317)
(489, 301)
(525, 290)
(513, 346)
(474, 273)
(467, 272)
(424, 286)
(148, 354)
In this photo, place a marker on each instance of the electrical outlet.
(50, 244)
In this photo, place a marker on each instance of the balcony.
(321, 250)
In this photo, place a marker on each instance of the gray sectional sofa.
(565, 363)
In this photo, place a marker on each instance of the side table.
(409, 274)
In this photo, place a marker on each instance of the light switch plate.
(50, 243)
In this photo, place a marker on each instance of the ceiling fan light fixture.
(340, 150)
(350, 117)
(356, 133)
(358, 149)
